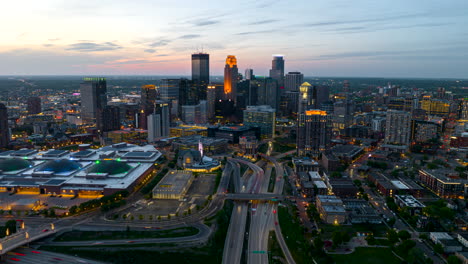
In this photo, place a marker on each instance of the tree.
(453, 260)
(318, 242)
(404, 235)
(11, 225)
(392, 221)
(337, 238)
(392, 236)
(438, 248)
(140, 217)
(358, 183)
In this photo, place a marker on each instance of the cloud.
(92, 47)
(201, 23)
(160, 43)
(54, 39)
(263, 22)
(190, 36)
(255, 32)
(150, 50)
(48, 45)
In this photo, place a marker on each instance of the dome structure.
(110, 167)
(60, 166)
(14, 164)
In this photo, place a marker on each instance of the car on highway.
(15, 259)
(45, 230)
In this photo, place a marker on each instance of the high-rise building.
(201, 68)
(34, 105)
(149, 94)
(249, 74)
(4, 129)
(210, 101)
(169, 89)
(268, 93)
(305, 97)
(343, 112)
(93, 99)
(463, 109)
(190, 93)
(195, 114)
(323, 95)
(230, 78)
(293, 80)
(110, 116)
(398, 128)
(277, 69)
(159, 122)
(263, 116)
(314, 130)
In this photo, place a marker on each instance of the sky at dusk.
(360, 38)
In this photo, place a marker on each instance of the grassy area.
(276, 254)
(293, 233)
(368, 256)
(103, 235)
(377, 230)
(211, 253)
(271, 183)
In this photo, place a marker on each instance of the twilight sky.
(397, 38)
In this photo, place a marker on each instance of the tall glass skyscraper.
(93, 99)
(201, 68)
(277, 68)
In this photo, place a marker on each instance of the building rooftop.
(14, 164)
(409, 201)
(173, 182)
(346, 150)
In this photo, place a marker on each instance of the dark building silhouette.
(277, 69)
(4, 131)
(149, 96)
(34, 105)
(110, 117)
(93, 99)
(201, 68)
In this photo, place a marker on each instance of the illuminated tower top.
(231, 61)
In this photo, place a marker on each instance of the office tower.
(305, 97)
(110, 116)
(194, 114)
(159, 122)
(268, 93)
(149, 94)
(323, 95)
(438, 107)
(93, 99)
(169, 89)
(314, 130)
(230, 79)
(293, 80)
(4, 129)
(249, 74)
(291, 99)
(201, 68)
(210, 101)
(277, 69)
(34, 105)
(463, 110)
(263, 116)
(398, 128)
(378, 124)
(343, 112)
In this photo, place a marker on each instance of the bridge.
(254, 197)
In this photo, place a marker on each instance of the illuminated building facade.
(93, 99)
(263, 116)
(149, 95)
(314, 129)
(398, 127)
(435, 106)
(158, 122)
(230, 79)
(443, 184)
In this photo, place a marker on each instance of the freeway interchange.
(252, 204)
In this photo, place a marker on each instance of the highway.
(33, 256)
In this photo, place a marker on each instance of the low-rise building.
(360, 212)
(234, 133)
(444, 183)
(463, 239)
(173, 185)
(412, 204)
(304, 164)
(331, 209)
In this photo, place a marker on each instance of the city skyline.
(333, 38)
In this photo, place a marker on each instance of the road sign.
(259, 252)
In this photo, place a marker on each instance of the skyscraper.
(158, 122)
(398, 128)
(249, 74)
(110, 116)
(34, 105)
(201, 68)
(314, 130)
(230, 78)
(211, 101)
(277, 69)
(293, 80)
(268, 93)
(149, 95)
(93, 99)
(4, 130)
(262, 116)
